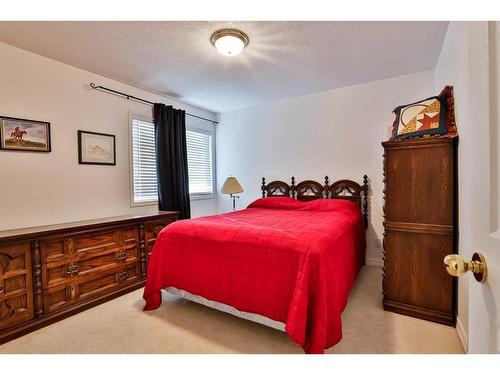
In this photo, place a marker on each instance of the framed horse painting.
(24, 135)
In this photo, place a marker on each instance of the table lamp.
(232, 186)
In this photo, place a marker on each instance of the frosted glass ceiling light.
(229, 42)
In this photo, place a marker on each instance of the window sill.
(191, 198)
(201, 197)
(143, 204)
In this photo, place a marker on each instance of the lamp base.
(234, 200)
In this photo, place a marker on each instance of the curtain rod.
(131, 97)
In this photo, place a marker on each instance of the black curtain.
(171, 159)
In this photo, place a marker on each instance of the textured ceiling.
(283, 59)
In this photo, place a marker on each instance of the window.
(200, 168)
(144, 188)
(200, 139)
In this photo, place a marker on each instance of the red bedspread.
(294, 262)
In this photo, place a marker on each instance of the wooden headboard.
(309, 190)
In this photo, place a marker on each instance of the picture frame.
(17, 134)
(96, 148)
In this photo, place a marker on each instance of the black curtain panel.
(171, 159)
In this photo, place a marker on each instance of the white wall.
(39, 188)
(335, 133)
(453, 69)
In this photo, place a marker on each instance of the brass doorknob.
(456, 266)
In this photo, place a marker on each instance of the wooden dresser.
(420, 227)
(50, 272)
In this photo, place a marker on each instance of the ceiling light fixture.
(229, 42)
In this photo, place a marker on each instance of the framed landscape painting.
(24, 135)
(96, 148)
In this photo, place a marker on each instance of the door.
(479, 153)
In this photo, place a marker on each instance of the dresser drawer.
(81, 289)
(87, 244)
(16, 289)
(65, 272)
(88, 254)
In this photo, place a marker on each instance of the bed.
(288, 260)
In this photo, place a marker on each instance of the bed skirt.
(227, 309)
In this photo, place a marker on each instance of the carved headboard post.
(292, 187)
(263, 187)
(327, 183)
(364, 209)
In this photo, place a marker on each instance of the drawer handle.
(121, 257)
(72, 270)
(123, 275)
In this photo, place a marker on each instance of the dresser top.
(45, 230)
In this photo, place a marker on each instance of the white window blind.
(200, 162)
(144, 162)
(201, 156)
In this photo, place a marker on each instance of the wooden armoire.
(420, 227)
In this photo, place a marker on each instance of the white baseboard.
(374, 262)
(462, 335)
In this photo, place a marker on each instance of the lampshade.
(231, 186)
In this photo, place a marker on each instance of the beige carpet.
(179, 326)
